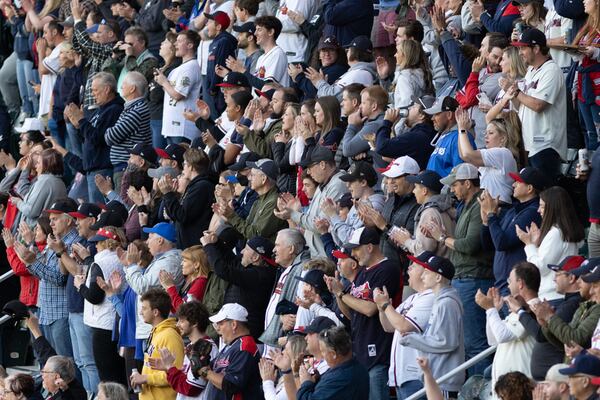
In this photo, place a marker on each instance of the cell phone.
(32, 82)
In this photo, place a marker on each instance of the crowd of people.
(303, 199)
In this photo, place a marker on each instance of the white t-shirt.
(186, 80)
(193, 381)
(556, 26)
(273, 65)
(361, 76)
(403, 359)
(47, 85)
(498, 162)
(547, 128)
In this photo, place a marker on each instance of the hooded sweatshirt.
(361, 72)
(443, 340)
(438, 208)
(163, 335)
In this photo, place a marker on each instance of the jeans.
(57, 334)
(548, 161)
(9, 85)
(474, 320)
(58, 131)
(73, 141)
(158, 140)
(590, 115)
(25, 74)
(407, 389)
(81, 337)
(378, 378)
(208, 99)
(79, 189)
(94, 195)
(594, 240)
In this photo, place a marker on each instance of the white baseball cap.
(401, 166)
(461, 172)
(232, 311)
(31, 124)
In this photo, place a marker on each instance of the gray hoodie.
(443, 340)
(351, 76)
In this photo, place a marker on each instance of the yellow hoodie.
(162, 335)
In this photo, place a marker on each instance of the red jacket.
(29, 283)
(195, 290)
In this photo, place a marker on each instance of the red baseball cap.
(220, 18)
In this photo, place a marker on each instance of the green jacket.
(579, 330)
(260, 221)
(469, 258)
(260, 142)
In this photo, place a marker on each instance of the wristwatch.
(384, 306)
(443, 238)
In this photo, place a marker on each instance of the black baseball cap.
(108, 218)
(244, 158)
(267, 94)
(86, 210)
(285, 307)
(63, 206)
(234, 79)
(531, 176)
(329, 42)
(16, 309)
(583, 364)
(247, 27)
(319, 324)
(429, 179)
(425, 102)
(172, 152)
(315, 278)
(263, 247)
(531, 37)
(146, 151)
(345, 201)
(594, 271)
(266, 166)
(442, 104)
(362, 43)
(361, 170)
(586, 267)
(320, 153)
(434, 263)
(119, 208)
(362, 236)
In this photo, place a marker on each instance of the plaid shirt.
(52, 295)
(96, 54)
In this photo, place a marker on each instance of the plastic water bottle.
(136, 388)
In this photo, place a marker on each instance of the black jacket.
(415, 143)
(193, 212)
(250, 286)
(398, 211)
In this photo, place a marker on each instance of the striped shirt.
(52, 292)
(132, 127)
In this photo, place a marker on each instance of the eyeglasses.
(47, 372)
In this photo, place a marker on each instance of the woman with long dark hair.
(560, 235)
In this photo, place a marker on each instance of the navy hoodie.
(347, 19)
(222, 46)
(415, 143)
(308, 90)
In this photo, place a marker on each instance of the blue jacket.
(415, 143)
(593, 187)
(500, 234)
(308, 90)
(461, 66)
(445, 156)
(222, 46)
(503, 18)
(96, 153)
(348, 381)
(347, 19)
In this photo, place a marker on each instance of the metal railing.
(472, 361)
(6, 275)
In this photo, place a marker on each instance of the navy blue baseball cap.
(593, 275)
(146, 151)
(86, 210)
(362, 236)
(531, 176)
(263, 247)
(362, 43)
(434, 263)
(319, 324)
(429, 179)
(315, 278)
(586, 267)
(583, 364)
(164, 230)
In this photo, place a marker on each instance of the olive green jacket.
(260, 221)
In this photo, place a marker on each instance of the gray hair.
(106, 79)
(294, 238)
(138, 80)
(337, 339)
(63, 366)
(113, 390)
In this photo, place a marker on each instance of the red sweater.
(29, 283)
(195, 290)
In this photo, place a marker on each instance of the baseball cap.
(404, 165)
(31, 124)
(16, 309)
(531, 176)
(119, 208)
(102, 234)
(69, 22)
(583, 364)
(266, 166)
(248, 27)
(425, 102)
(517, 3)
(586, 267)
(342, 254)
(244, 158)
(232, 311)
(568, 264)
(93, 29)
(263, 247)
(361, 170)
(319, 324)
(329, 42)
(362, 236)
(593, 275)
(362, 43)
(158, 173)
(314, 278)
(345, 201)
(437, 264)
(429, 179)
(234, 79)
(63, 206)
(442, 104)
(164, 230)
(531, 37)
(285, 307)
(220, 18)
(146, 151)
(172, 152)
(554, 375)
(320, 153)
(461, 172)
(108, 218)
(267, 94)
(86, 210)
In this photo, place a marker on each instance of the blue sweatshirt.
(500, 234)
(503, 18)
(445, 156)
(348, 381)
(222, 46)
(593, 188)
(347, 19)
(308, 90)
(415, 143)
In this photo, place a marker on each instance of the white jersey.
(291, 39)
(273, 65)
(53, 65)
(556, 26)
(186, 80)
(193, 381)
